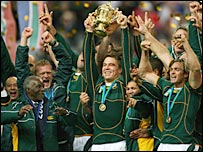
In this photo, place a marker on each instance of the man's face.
(177, 75)
(12, 87)
(132, 89)
(80, 62)
(110, 69)
(45, 72)
(36, 92)
(32, 62)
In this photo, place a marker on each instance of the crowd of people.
(139, 95)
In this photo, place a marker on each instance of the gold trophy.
(104, 17)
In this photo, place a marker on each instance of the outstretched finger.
(51, 14)
(146, 16)
(133, 13)
(46, 10)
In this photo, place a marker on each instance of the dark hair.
(185, 69)
(156, 64)
(115, 53)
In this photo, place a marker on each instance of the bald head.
(31, 62)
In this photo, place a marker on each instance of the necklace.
(102, 106)
(170, 104)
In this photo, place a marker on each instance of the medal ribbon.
(68, 86)
(128, 112)
(105, 93)
(170, 106)
(49, 95)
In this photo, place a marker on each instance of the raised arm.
(196, 14)
(122, 21)
(21, 65)
(7, 66)
(91, 72)
(46, 18)
(64, 69)
(156, 47)
(102, 51)
(145, 69)
(137, 38)
(48, 50)
(195, 28)
(192, 62)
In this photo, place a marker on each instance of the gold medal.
(102, 107)
(67, 99)
(168, 119)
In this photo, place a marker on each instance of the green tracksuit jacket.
(56, 94)
(109, 124)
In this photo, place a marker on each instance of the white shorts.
(175, 147)
(116, 146)
(79, 143)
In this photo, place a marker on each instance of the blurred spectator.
(68, 17)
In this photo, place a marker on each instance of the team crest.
(114, 86)
(50, 117)
(167, 92)
(101, 89)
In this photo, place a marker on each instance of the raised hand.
(122, 20)
(145, 45)
(27, 33)
(46, 18)
(148, 23)
(113, 25)
(133, 23)
(193, 7)
(196, 14)
(132, 20)
(47, 38)
(48, 50)
(90, 22)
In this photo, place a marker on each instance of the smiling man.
(181, 95)
(108, 97)
(53, 83)
(12, 87)
(9, 131)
